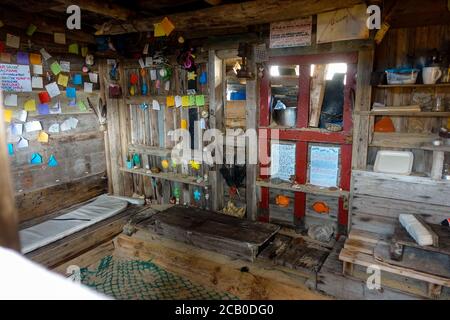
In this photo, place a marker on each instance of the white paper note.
(54, 128)
(65, 66)
(37, 69)
(141, 63)
(148, 61)
(37, 82)
(155, 105)
(153, 74)
(167, 86)
(12, 41)
(55, 109)
(88, 87)
(10, 100)
(53, 89)
(31, 126)
(23, 143)
(178, 101)
(20, 115)
(69, 124)
(93, 77)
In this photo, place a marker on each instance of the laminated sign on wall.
(15, 78)
(293, 33)
(344, 24)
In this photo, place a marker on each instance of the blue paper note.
(71, 93)
(77, 79)
(23, 58)
(197, 195)
(36, 158)
(43, 108)
(10, 149)
(52, 161)
(203, 78)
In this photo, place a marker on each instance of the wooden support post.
(347, 268)
(216, 107)
(438, 165)
(9, 236)
(251, 118)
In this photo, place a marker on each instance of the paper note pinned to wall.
(12, 41)
(185, 101)
(158, 30)
(54, 128)
(7, 115)
(52, 89)
(93, 77)
(155, 105)
(36, 158)
(21, 115)
(191, 101)
(88, 87)
(170, 101)
(167, 26)
(10, 149)
(178, 101)
(30, 105)
(148, 61)
(183, 124)
(84, 51)
(37, 82)
(69, 124)
(32, 126)
(43, 109)
(16, 129)
(37, 69)
(63, 80)
(23, 58)
(31, 29)
(10, 100)
(55, 109)
(153, 75)
(55, 67)
(200, 100)
(82, 106)
(77, 79)
(167, 85)
(42, 137)
(35, 59)
(52, 161)
(59, 38)
(44, 97)
(71, 92)
(65, 66)
(22, 143)
(45, 54)
(5, 57)
(73, 48)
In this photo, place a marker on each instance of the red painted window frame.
(302, 135)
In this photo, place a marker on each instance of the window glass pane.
(284, 90)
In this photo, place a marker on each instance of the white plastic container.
(396, 162)
(401, 76)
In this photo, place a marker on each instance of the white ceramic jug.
(431, 74)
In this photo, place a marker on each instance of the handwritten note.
(15, 78)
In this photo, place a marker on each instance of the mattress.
(62, 226)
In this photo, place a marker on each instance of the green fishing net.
(143, 280)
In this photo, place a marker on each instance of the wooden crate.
(235, 109)
(358, 254)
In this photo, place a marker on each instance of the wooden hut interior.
(226, 149)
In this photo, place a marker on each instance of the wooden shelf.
(416, 85)
(424, 114)
(149, 150)
(443, 148)
(166, 176)
(403, 140)
(414, 177)
(304, 188)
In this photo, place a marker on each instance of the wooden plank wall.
(391, 53)
(378, 199)
(80, 153)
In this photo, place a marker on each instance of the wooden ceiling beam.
(103, 8)
(21, 21)
(236, 15)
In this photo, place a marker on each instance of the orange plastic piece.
(321, 207)
(282, 201)
(384, 125)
